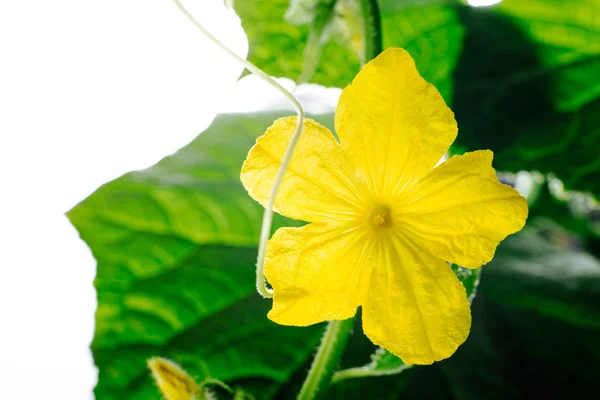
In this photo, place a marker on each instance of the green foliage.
(543, 269)
(168, 289)
(535, 322)
(176, 248)
(176, 243)
(567, 45)
(431, 33)
(277, 46)
(433, 36)
(522, 75)
(518, 90)
(395, 5)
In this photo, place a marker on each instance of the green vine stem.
(371, 29)
(327, 359)
(261, 284)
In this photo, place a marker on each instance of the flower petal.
(393, 125)
(416, 307)
(316, 186)
(460, 212)
(318, 272)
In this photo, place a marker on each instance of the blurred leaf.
(176, 247)
(567, 42)
(536, 324)
(277, 47)
(505, 94)
(302, 12)
(542, 269)
(389, 387)
(574, 212)
(535, 312)
(432, 34)
(395, 5)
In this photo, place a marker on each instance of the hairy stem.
(326, 360)
(371, 29)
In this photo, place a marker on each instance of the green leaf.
(567, 44)
(389, 387)
(535, 322)
(277, 46)
(176, 250)
(505, 95)
(431, 33)
(543, 269)
(395, 5)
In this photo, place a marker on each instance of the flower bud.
(172, 380)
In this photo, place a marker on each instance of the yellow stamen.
(380, 216)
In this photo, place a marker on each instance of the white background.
(89, 90)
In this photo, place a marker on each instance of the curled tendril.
(261, 284)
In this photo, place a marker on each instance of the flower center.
(380, 216)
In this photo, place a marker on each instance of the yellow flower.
(384, 219)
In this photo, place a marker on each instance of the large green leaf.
(567, 43)
(277, 46)
(431, 33)
(536, 322)
(176, 247)
(542, 269)
(506, 96)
